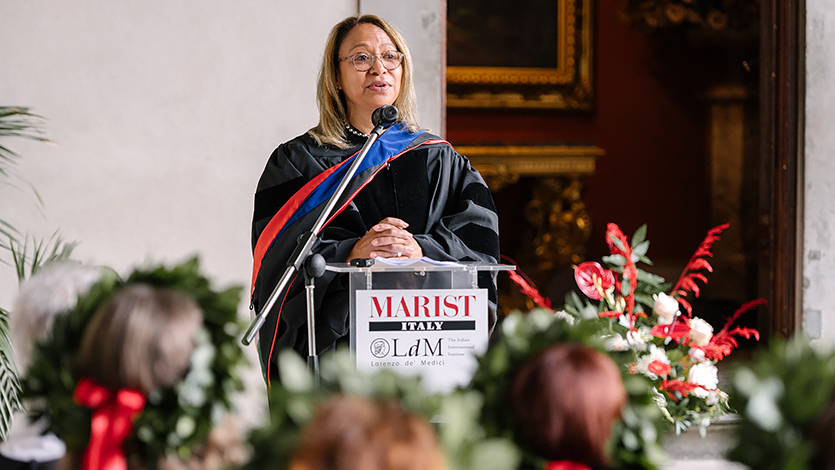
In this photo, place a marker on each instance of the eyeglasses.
(363, 61)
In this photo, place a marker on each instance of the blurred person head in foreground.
(354, 433)
(565, 401)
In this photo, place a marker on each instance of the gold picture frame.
(564, 81)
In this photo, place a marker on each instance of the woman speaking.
(414, 195)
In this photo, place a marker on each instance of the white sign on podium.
(419, 317)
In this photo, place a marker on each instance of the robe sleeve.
(462, 224)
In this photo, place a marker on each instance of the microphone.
(384, 116)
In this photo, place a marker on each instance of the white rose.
(617, 343)
(706, 375)
(637, 339)
(715, 396)
(665, 307)
(624, 321)
(700, 331)
(696, 355)
(655, 354)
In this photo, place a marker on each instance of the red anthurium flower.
(659, 368)
(678, 329)
(593, 279)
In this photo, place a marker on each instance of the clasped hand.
(387, 239)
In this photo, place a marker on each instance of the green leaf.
(615, 260)
(10, 388)
(650, 278)
(34, 254)
(618, 243)
(639, 236)
(625, 286)
(641, 248)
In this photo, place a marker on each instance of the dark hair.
(565, 400)
(353, 433)
(141, 339)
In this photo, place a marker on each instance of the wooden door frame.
(782, 79)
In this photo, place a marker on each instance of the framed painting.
(520, 54)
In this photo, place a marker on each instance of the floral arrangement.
(637, 313)
(633, 443)
(714, 15)
(297, 393)
(784, 399)
(176, 421)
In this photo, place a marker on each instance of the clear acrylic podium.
(419, 317)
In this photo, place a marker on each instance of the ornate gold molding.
(556, 211)
(502, 165)
(563, 73)
(566, 86)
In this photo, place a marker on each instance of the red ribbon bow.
(113, 415)
(565, 465)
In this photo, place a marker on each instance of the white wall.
(819, 187)
(422, 23)
(164, 114)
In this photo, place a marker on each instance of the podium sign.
(433, 333)
(419, 317)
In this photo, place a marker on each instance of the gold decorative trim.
(557, 160)
(568, 86)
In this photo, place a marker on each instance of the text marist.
(421, 306)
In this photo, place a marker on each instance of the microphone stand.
(382, 118)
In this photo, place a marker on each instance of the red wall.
(650, 121)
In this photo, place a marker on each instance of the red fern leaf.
(609, 314)
(671, 386)
(686, 305)
(686, 282)
(621, 247)
(750, 305)
(745, 332)
(724, 342)
(701, 263)
(529, 290)
(699, 276)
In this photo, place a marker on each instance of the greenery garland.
(175, 420)
(633, 443)
(294, 398)
(779, 396)
(474, 424)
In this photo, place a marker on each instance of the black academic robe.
(445, 201)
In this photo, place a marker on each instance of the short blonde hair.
(141, 339)
(332, 106)
(354, 433)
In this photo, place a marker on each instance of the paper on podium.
(417, 262)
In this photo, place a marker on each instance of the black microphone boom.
(385, 116)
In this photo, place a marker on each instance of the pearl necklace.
(357, 133)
